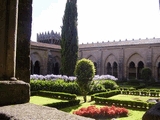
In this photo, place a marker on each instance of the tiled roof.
(38, 44)
(121, 43)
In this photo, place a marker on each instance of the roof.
(46, 45)
(121, 43)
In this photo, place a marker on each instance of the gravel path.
(30, 111)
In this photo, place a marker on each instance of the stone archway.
(132, 71)
(55, 68)
(134, 65)
(37, 67)
(93, 59)
(139, 68)
(115, 69)
(109, 68)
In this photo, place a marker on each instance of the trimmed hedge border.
(106, 94)
(57, 95)
(60, 105)
(123, 103)
(141, 93)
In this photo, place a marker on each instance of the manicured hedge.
(123, 103)
(60, 105)
(55, 86)
(141, 93)
(106, 94)
(60, 85)
(58, 95)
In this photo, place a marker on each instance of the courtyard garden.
(107, 98)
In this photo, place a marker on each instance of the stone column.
(23, 40)
(8, 36)
(12, 91)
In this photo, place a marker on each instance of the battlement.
(121, 42)
(49, 37)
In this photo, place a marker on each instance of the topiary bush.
(146, 74)
(84, 71)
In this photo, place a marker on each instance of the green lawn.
(38, 100)
(131, 97)
(133, 114)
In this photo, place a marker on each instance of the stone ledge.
(14, 92)
(30, 111)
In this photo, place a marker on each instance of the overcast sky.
(101, 20)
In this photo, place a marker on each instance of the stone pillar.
(121, 65)
(8, 36)
(23, 40)
(12, 91)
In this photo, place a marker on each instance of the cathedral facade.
(122, 59)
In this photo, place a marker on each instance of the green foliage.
(110, 84)
(55, 86)
(60, 105)
(84, 72)
(69, 39)
(123, 103)
(58, 95)
(133, 82)
(96, 88)
(146, 74)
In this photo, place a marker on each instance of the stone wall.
(120, 52)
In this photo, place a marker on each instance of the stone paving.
(30, 111)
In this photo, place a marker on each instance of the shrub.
(146, 74)
(58, 95)
(110, 84)
(60, 105)
(84, 72)
(55, 86)
(133, 82)
(96, 88)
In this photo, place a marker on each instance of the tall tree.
(69, 39)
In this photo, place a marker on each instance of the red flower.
(106, 111)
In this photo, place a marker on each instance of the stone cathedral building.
(122, 59)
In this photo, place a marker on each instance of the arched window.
(115, 69)
(132, 71)
(37, 68)
(109, 68)
(56, 68)
(95, 65)
(140, 67)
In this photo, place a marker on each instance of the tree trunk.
(85, 98)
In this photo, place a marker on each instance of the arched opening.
(53, 68)
(56, 68)
(95, 65)
(158, 71)
(140, 67)
(31, 72)
(37, 68)
(132, 71)
(115, 69)
(109, 68)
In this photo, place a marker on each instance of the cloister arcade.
(124, 62)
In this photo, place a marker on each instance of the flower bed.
(102, 112)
